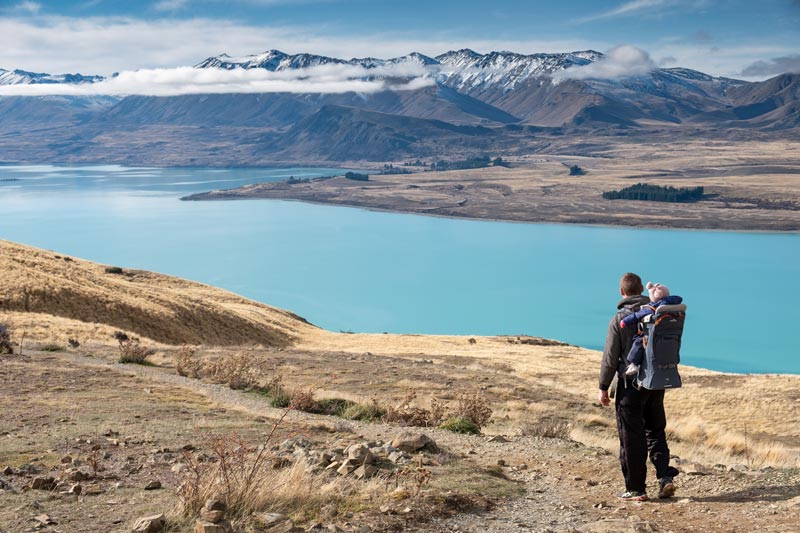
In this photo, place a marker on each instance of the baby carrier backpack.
(662, 342)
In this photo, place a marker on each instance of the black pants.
(640, 422)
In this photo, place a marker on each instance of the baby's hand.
(622, 325)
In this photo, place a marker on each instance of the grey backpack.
(662, 342)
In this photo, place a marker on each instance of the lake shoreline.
(235, 195)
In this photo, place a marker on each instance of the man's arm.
(611, 354)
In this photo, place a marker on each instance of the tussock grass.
(162, 308)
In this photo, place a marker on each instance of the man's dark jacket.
(619, 340)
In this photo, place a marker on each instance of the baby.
(659, 295)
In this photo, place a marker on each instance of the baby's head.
(657, 291)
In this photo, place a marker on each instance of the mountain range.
(474, 101)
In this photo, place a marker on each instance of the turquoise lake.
(358, 270)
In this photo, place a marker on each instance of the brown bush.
(131, 349)
(408, 414)
(5, 340)
(187, 364)
(473, 407)
(303, 400)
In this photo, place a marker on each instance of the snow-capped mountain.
(463, 70)
(467, 70)
(19, 77)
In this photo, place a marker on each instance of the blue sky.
(744, 38)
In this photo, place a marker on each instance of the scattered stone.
(149, 524)
(73, 474)
(45, 520)
(497, 438)
(365, 471)
(738, 467)
(43, 483)
(8, 471)
(153, 485)
(346, 467)
(501, 462)
(399, 457)
(66, 460)
(75, 489)
(360, 454)
(411, 442)
(277, 523)
(694, 469)
(201, 526)
(179, 468)
(213, 511)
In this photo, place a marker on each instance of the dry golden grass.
(158, 307)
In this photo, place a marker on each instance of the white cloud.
(170, 5)
(189, 80)
(619, 62)
(773, 67)
(628, 8)
(27, 6)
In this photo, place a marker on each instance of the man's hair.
(631, 284)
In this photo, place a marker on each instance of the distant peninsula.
(743, 187)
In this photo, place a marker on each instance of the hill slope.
(162, 308)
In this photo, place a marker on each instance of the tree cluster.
(356, 176)
(656, 193)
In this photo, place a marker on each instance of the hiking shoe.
(631, 496)
(666, 488)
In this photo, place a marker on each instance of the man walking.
(641, 420)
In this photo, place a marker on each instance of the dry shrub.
(469, 406)
(236, 371)
(303, 400)
(473, 407)
(5, 340)
(131, 349)
(187, 364)
(408, 414)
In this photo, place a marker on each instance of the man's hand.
(602, 397)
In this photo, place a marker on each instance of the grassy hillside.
(161, 308)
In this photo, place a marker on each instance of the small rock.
(211, 516)
(497, 438)
(43, 483)
(66, 460)
(399, 457)
(360, 454)
(346, 467)
(501, 462)
(365, 471)
(694, 469)
(75, 489)
(150, 524)
(179, 468)
(153, 485)
(411, 442)
(45, 520)
(8, 471)
(201, 526)
(277, 523)
(738, 467)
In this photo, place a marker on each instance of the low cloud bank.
(323, 79)
(773, 67)
(619, 62)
